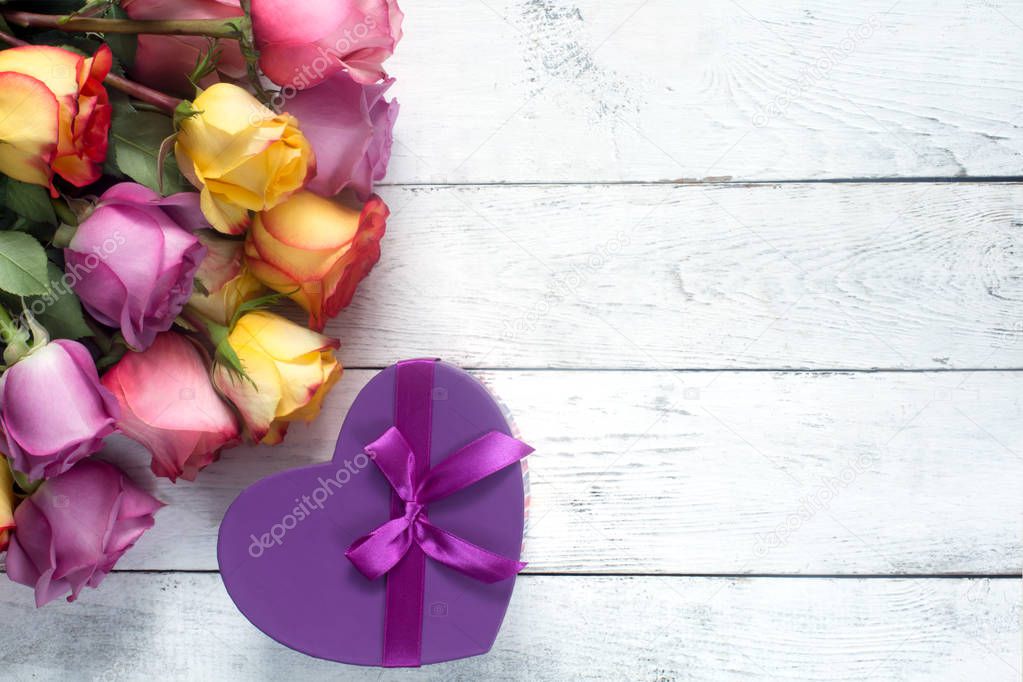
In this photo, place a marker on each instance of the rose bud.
(316, 251)
(350, 127)
(53, 410)
(300, 44)
(289, 369)
(7, 502)
(164, 62)
(242, 156)
(225, 277)
(73, 529)
(169, 406)
(56, 114)
(132, 261)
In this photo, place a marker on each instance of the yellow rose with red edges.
(56, 114)
(7, 502)
(316, 250)
(289, 370)
(241, 156)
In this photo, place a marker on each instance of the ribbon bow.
(378, 552)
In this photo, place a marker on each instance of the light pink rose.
(74, 528)
(164, 62)
(132, 261)
(350, 127)
(168, 405)
(302, 43)
(53, 410)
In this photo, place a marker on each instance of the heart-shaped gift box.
(282, 546)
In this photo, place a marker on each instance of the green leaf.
(259, 303)
(135, 139)
(26, 486)
(8, 218)
(22, 265)
(112, 351)
(59, 309)
(123, 45)
(29, 201)
(225, 353)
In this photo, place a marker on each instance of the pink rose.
(164, 62)
(133, 260)
(350, 127)
(302, 43)
(53, 410)
(75, 527)
(168, 405)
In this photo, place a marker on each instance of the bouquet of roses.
(169, 170)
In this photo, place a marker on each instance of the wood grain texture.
(583, 90)
(162, 626)
(558, 278)
(661, 277)
(709, 472)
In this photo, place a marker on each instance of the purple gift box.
(403, 549)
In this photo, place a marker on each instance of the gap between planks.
(726, 182)
(705, 370)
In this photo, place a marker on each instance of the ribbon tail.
(462, 555)
(377, 553)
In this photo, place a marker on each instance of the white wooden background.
(750, 275)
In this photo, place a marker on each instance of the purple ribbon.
(399, 547)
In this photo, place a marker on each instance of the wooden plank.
(162, 626)
(652, 90)
(796, 276)
(719, 472)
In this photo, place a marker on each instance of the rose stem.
(11, 40)
(142, 93)
(216, 28)
(247, 44)
(131, 88)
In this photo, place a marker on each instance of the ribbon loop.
(394, 457)
(484, 456)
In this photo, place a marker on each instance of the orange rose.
(316, 250)
(56, 114)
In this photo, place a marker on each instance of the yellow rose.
(292, 368)
(56, 114)
(7, 503)
(224, 275)
(242, 156)
(316, 250)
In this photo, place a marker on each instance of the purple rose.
(133, 259)
(53, 409)
(350, 127)
(75, 527)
